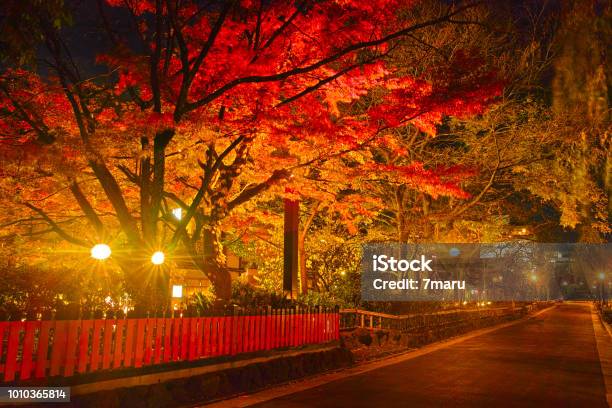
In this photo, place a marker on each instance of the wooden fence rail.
(358, 318)
(41, 349)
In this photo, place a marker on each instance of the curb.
(603, 339)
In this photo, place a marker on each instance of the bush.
(203, 302)
(246, 295)
(323, 299)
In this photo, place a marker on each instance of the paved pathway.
(551, 360)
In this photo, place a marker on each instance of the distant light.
(465, 302)
(100, 251)
(488, 303)
(177, 291)
(564, 283)
(178, 213)
(158, 258)
(602, 276)
(534, 278)
(342, 273)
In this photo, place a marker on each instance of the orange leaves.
(435, 182)
(289, 79)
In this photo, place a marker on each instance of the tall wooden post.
(290, 266)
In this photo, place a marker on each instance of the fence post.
(139, 345)
(118, 352)
(176, 327)
(286, 333)
(108, 341)
(296, 318)
(169, 323)
(159, 324)
(234, 333)
(337, 323)
(257, 329)
(290, 327)
(319, 331)
(279, 327)
(13, 347)
(28, 345)
(325, 326)
(269, 328)
(71, 345)
(274, 328)
(301, 326)
(310, 326)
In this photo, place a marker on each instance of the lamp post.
(534, 279)
(602, 278)
(158, 258)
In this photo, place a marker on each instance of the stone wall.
(220, 384)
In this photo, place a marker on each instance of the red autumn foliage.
(218, 105)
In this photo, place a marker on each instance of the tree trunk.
(302, 266)
(303, 271)
(213, 262)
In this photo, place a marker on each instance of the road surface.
(551, 360)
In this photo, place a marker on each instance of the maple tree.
(206, 106)
(516, 159)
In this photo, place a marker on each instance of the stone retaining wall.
(219, 384)
(367, 344)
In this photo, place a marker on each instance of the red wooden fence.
(40, 349)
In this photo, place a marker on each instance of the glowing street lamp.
(100, 252)
(534, 278)
(602, 276)
(158, 258)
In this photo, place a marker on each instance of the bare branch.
(56, 228)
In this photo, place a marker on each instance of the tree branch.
(87, 208)
(251, 192)
(56, 228)
(309, 68)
